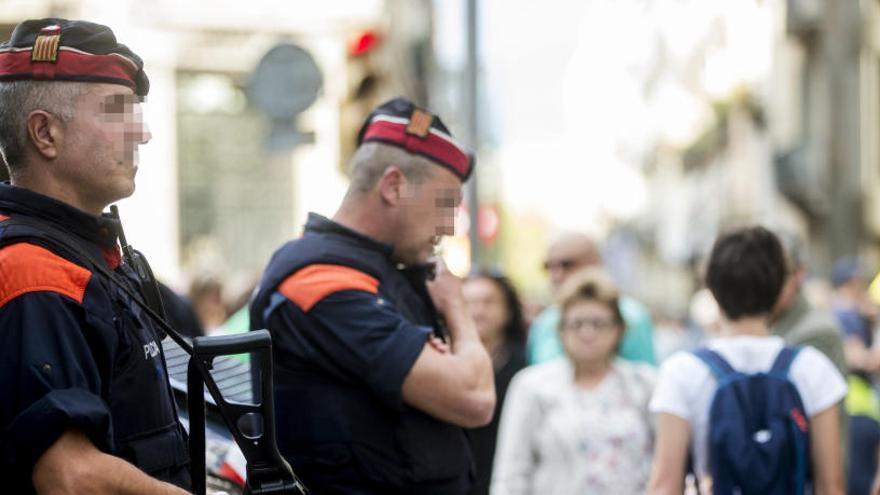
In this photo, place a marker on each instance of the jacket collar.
(322, 225)
(102, 230)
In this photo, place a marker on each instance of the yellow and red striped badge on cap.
(46, 45)
(419, 123)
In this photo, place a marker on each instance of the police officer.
(369, 400)
(85, 405)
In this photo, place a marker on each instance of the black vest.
(127, 349)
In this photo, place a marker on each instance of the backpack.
(758, 429)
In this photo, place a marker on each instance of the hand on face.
(445, 289)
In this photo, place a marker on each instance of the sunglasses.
(564, 265)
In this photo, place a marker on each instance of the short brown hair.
(589, 284)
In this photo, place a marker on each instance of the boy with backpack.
(747, 414)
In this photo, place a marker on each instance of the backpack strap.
(719, 366)
(783, 361)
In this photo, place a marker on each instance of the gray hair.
(372, 159)
(18, 99)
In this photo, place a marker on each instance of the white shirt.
(686, 385)
(557, 439)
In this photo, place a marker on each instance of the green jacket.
(803, 325)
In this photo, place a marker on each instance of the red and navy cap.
(62, 50)
(398, 122)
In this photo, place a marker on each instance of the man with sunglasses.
(568, 254)
(85, 404)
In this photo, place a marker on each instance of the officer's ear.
(45, 132)
(392, 185)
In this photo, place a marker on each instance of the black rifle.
(252, 425)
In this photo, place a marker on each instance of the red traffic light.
(363, 43)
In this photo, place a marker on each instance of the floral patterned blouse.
(558, 439)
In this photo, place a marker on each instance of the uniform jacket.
(347, 325)
(75, 352)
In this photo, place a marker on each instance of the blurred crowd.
(552, 382)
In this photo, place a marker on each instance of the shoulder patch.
(28, 268)
(315, 282)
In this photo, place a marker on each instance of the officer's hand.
(445, 290)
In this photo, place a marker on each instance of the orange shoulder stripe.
(315, 282)
(28, 268)
(3, 217)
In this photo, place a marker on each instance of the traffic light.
(364, 80)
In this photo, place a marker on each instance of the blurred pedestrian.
(799, 323)
(795, 319)
(206, 298)
(180, 313)
(494, 305)
(369, 400)
(739, 441)
(85, 404)
(856, 314)
(566, 255)
(579, 424)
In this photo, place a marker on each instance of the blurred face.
(590, 332)
(427, 213)
(566, 257)
(487, 307)
(101, 144)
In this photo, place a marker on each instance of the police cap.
(56, 49)
(399, 122)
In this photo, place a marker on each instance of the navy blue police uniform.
(75, 351)
(347, 326)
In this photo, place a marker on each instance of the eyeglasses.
(564, 265)
(601, 325)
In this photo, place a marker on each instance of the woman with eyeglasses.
(580, 424)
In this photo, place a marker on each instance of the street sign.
(286, 82)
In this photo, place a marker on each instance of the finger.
(442, 348)
(438, 345)
(441, 265)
